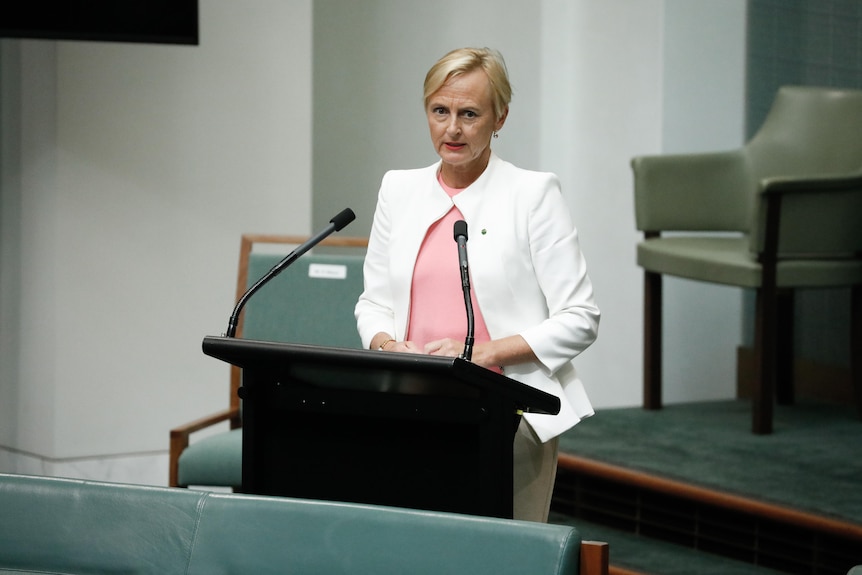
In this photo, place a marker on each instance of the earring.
(496, 135)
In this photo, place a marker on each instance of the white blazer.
(526, 269)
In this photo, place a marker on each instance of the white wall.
(603, 73)
(140, 167)
(703, 109)
(623, 79)
(129, 172)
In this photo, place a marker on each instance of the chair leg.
(652, 340)
(765, 345)
(856, 344)
(784, 376)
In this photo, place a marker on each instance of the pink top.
(437, 308)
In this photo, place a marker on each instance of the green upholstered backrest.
(310, 302)
(809, 132)
(266, 535)
(88, 528)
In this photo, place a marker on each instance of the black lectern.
(364, 426)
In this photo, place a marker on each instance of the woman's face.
(461, 120)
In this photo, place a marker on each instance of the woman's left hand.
(446, 347)
(453, 348)
(492, 354)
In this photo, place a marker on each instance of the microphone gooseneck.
(335, 224)
(460, 234)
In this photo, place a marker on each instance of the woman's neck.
(461, 177)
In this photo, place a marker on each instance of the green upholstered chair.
(788, 208)
(310, 302)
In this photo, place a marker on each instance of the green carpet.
(812, 461)
(657, 557)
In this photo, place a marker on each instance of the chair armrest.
(809, 216)
(823, 183)
(180, 437)
(693, 192)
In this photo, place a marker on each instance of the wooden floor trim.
(710, 496)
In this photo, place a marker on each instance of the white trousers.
(534, 473)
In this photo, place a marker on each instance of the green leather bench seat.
(74, 527)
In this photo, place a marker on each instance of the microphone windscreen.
(342, 219)
(460, 229)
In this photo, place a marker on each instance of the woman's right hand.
(385, 342)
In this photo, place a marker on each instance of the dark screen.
(146, 21)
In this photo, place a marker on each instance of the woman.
(532, 298)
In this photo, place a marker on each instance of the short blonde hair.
(465, 60)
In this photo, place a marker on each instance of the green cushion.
(213, 461)
(727, 260)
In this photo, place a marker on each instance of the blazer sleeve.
(374, 309)
(561, 274)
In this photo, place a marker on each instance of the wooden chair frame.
(595, 558)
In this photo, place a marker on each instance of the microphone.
(336, 224)
(460, 233)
